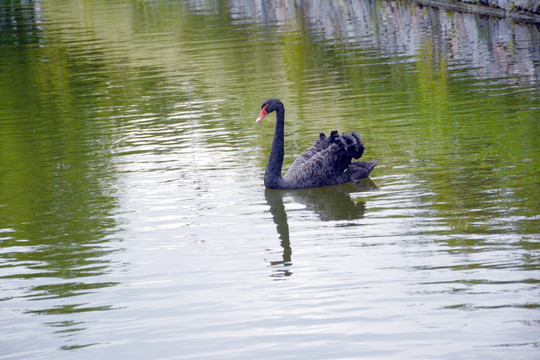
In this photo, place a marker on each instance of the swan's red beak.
(262, 114)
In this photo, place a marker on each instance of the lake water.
(134, 223)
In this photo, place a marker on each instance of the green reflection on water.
(63, 106)
(58, 102)
(57, 180)
(70, 88)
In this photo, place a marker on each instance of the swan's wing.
(326, 161)
(319, 145)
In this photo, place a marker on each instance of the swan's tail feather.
(360, 169)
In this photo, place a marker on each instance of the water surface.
(134, 222)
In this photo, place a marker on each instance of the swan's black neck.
(272, 176)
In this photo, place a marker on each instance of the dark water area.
(134, 222)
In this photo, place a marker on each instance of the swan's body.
(327, 162)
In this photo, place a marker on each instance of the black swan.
(327, 162)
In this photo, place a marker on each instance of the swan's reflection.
(332, 203)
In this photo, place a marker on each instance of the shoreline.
(513, 9)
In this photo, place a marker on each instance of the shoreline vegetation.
(519, 9)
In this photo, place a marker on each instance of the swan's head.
(269, 106)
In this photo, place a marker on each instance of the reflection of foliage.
(57, 187)
(74, 85)
(420, 112)
(18, 23)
